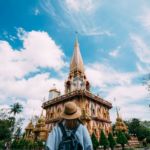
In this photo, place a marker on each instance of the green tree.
(18, 133)
(103, 140)
(16, 108)
(94, 141)
(141, 137)
(111, 140)
(127, 136)
(4, 130)
(148, 139)
(121, 138)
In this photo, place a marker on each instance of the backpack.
(69, 142)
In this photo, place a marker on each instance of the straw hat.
(71, 111)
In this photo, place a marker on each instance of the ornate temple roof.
(76, 61)
(40, 126)
(30, 126)
(120, 124)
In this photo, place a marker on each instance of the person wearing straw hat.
(70, 121)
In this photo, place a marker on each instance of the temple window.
(92, 111)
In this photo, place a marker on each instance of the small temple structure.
(120, 124)
(40, 131)
(28, 130)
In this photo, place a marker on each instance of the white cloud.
(36, 11)
(145, 18)
(115, 52)
(78, 14)
(12, 37)
(142, 49)
(103, 75)
(127, 94)
(39, 51)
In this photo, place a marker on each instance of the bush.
(144, 144)
(103, 140)
(94, 141)
(141, 137)
(30, 144)
(40, 143)
(148, 139)
(127, 136)
(1, 144)
(121, 138)
(35, 144)
(111, 140)
(139, 147)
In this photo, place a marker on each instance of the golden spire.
(116, 109)
(76, 43)
(76, 60)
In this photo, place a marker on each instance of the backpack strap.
(63, 130)
(74, 130)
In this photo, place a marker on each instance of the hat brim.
(74, 116)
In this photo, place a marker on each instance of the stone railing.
(77, 92)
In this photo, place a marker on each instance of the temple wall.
(90, 108)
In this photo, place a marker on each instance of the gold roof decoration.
(76, 60)
(30, 126)
(119, 123)
(84, 115)
(40, 126)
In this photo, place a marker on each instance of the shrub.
(35, 144)
(121, 138)
(111, 140)
(30, 144)
(94, 141)
(40, 143)
(127, 136)
(141, 137)
(148, 139)
(144, 144)
(103, 140)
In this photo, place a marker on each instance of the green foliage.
(1, 144)
(121, 138)
(127, 136)
(141, 137)
(139, 147)
(103, 140)
(35, 144)
(137, 127)
(148, 139)
(26, 142)
(144, 144)
(40, 143)
(4, 129)
(30, 144)
(111, 140)
(16, 108)
(14, 144)
(94, 141)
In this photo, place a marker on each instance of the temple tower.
(95, 110)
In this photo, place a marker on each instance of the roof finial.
(116, 108)
(76, 43)
(76, 37)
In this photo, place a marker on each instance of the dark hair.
(70, 124)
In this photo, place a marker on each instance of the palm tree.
(16, 108)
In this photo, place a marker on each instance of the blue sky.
(36, 44)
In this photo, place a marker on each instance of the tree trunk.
(104, 147)
(112, 147)
(122, 146)
(94, 148)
